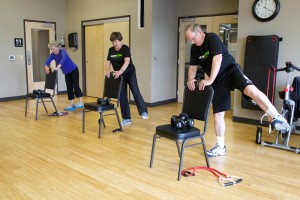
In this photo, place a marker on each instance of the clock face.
(265, 10)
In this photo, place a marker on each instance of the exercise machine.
(288, 112)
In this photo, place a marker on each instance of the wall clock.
(265, 10)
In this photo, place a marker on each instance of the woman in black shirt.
(120, 58)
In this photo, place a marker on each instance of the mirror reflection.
(40, 53)
(228, 34)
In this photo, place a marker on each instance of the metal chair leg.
(181, 160)
(26, 106)
(100, 124)
(83, 120)
(119, 120)
(153, 150)
(178, 147)
(54, 105)
(205, 152)
(44, 105)
(36, 109)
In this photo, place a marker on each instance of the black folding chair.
(112, 89)
(196, 104)
(41, 94)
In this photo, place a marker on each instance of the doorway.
(225, 26)
(37, 36)
(96, 34)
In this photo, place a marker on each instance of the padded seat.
(172, 133)
(34, 96)
(94, 106)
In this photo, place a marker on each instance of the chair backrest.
(197, 103)
(112, 87)
(51, 81)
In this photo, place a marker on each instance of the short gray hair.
(192, 27)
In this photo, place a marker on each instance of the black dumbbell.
(181, 121)
(103, 101)
(38, 91)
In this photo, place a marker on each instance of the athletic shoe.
(217, 151)
(126, 121)
(78, 105)
(280, 124)
(69, 108)
(145, 115)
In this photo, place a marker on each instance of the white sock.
(221, 141)
(272, 112)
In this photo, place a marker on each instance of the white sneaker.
(145, 115)
(280, 124)
(126, 122)
(217, 151)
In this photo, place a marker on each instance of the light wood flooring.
(51, 159)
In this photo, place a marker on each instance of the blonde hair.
(53, 44)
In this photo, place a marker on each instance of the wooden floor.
(51, 159)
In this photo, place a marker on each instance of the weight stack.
(261, 53)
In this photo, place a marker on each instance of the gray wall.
(164, 51)
(205, 7)
(12, 14)
(284, 25)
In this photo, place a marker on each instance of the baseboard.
(62, 92)
(12, 98)
(159, 103)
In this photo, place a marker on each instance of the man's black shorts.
(236, 80)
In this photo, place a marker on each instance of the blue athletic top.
(67, 65)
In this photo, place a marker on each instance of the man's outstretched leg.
(277, 121)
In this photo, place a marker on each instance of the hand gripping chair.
(112, 89)
(41, 95)
(196, 104)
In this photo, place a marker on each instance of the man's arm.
(215, 68)
(191, 76)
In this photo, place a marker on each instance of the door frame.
(191, 19)
(95, 22)
(26, 47)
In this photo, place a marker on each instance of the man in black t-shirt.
(224, 75)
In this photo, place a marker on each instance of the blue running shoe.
(69, 108)
(78, 105)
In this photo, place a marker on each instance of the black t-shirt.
(117, 58)
(203, 55)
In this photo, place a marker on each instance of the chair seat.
(97, 107)
(170, 132)
(34, 96)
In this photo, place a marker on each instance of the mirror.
(228, 34)
(40, 53)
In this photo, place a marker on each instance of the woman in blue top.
(120, 58)
(69, 69)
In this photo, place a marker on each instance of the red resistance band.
(224, 179)
(272, 68)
